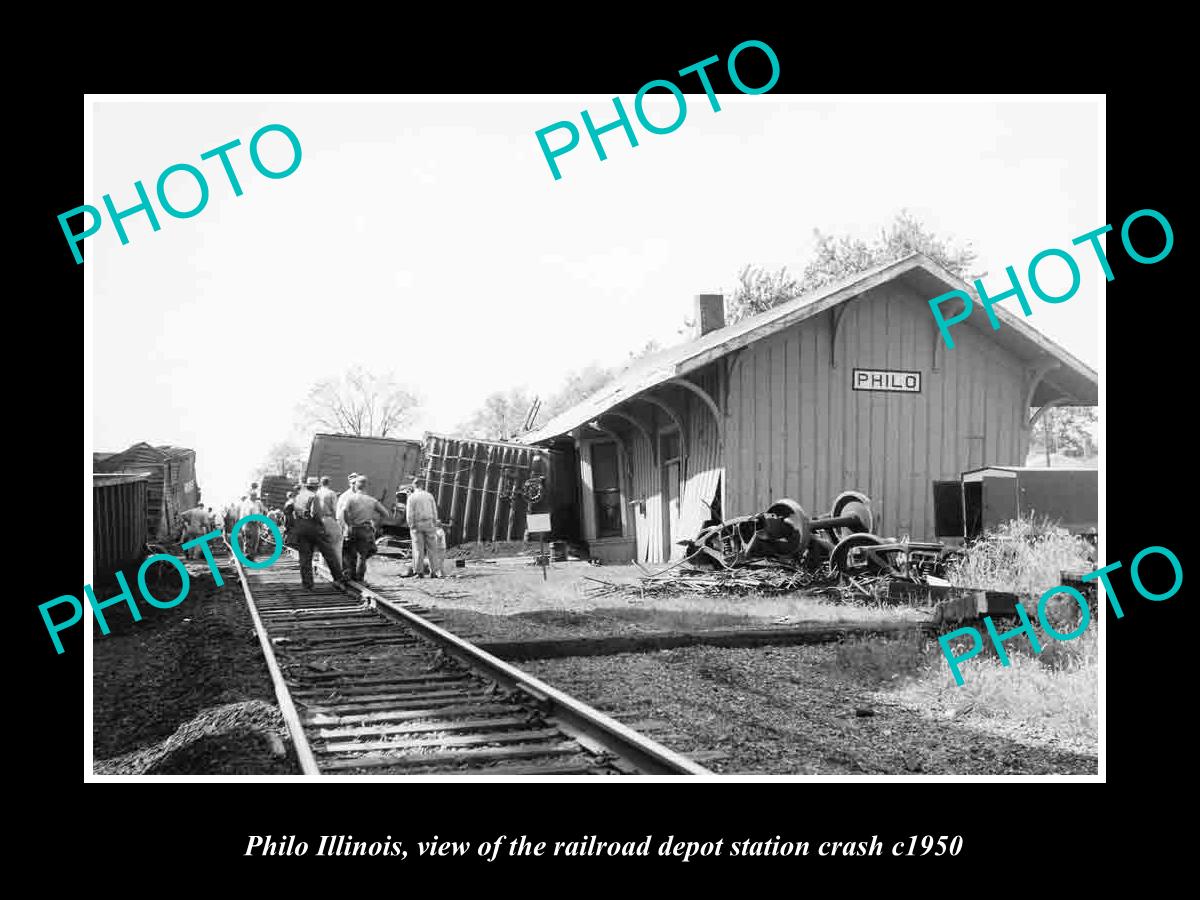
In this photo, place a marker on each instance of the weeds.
(1056, 689)
(1024, 556)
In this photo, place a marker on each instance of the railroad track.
(372, 684)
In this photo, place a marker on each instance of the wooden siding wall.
(700, 470)
(795, 428)
(646, 487)
(705, 465)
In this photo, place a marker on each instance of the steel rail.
(593, 729)
(304, 753)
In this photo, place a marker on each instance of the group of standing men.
(342, 527)
(201, 520)
(316, 519)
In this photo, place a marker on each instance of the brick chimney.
(710, 313)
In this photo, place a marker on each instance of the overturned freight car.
(485, 490)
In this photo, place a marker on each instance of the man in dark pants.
(357, 516)
(289, 516)
(310, 533)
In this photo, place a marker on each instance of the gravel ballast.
(786, 710)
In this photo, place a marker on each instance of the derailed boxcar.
(486, 489)
(388, 463)
(275, 489)
(171, 487)
(118, 522)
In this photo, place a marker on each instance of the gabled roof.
(1072, 378)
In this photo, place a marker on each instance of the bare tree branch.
(359, 403)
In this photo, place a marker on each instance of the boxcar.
(118, 523)
(388, 463)
(485, 489)
(171, 487)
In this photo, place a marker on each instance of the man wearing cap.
(422, 515)
(310, 533)
(357, 517)
(328, 501)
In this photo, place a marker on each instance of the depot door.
(668, 446)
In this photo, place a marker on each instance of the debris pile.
(757, 577)
(783, 549)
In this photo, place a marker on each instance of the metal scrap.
(782, 550)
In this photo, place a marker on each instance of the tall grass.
(1025, 556)
(1057, 687)
(1051, 693)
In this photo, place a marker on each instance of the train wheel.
(798, 531)
(853, 503)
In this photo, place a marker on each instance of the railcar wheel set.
(843, 541)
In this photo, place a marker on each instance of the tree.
(582, 383)
(836, 258)
(284, 458)
(759, 290)
(577, 386)
(1066, 431)
(504, 413)
(501, 418)
(359, 403)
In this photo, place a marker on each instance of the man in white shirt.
(327, 500)
(337, 515)
(251, 533)
(356, 515)
(422, 515)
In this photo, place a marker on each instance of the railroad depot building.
(848, 387)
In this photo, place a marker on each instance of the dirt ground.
(510, 601)
(872, 704)
(799, 710)
(185, 691)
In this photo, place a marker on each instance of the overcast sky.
(428, 237)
